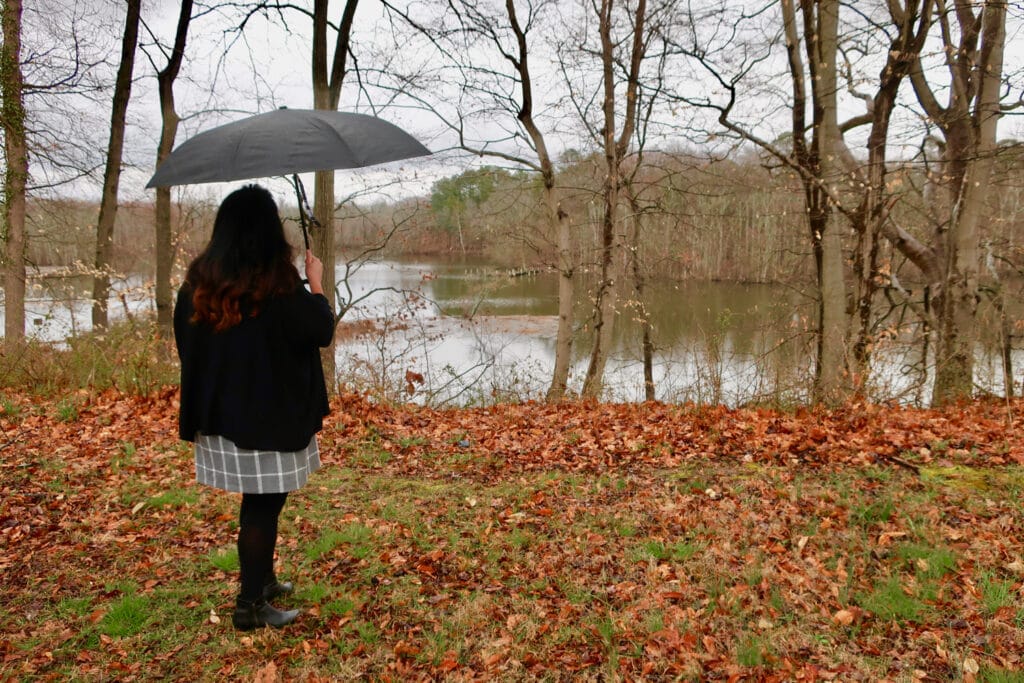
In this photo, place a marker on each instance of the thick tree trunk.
(112, 173)
(821, 25)
(326, 95)
(566, 294)
(832, 376)
(607, 289)
(322, 243)
(954, 376)
(163, 237)
(16, 172)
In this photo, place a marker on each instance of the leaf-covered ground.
(527, 542)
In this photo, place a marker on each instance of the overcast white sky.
(269, 67)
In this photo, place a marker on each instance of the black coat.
(259, 383)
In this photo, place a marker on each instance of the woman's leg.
(257, 538)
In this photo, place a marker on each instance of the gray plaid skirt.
(222, 464)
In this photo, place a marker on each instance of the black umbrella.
(286, 142)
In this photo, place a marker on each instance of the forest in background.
(850, 147)
(734, 219)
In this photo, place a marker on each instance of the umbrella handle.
(305, 213)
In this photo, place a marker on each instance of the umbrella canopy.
(285, 142)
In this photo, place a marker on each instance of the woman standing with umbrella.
(252, 387)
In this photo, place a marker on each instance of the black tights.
(257, 536)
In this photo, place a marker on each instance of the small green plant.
(889, 601)
(11, 410)
(750, 651)
(358, 536)
(338, 607)
(126, 617)
(875, 512)
(680, 551)
(575, 593)
(174, 498)
(753, 574)
(67, 410)
(927, 562)
(224, 559)
(654, 621)
(78, 607)
(995, 593)
(368, 632)
(989, 675)
(369, 453)
(520, 539)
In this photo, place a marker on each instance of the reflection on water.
(466, 332)
(57, 305)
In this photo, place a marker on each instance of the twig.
(903, 463)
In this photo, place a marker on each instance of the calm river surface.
(458, 333)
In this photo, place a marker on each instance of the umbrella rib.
(348, 149)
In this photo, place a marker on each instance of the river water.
(465, 333)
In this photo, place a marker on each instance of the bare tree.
(112, 173)
(507, 31)
(614, 142)
(968, 125)
(910, 22)
(15, 172)
(820, 158)
(163, 237)
(830, 172)
(326, 94)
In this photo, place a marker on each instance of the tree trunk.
(566, 294)
(326, 95)
(832, 379)
(612, 243)
(954, 376)
(873, 211)
(322, 243)
(16, 172)
(639, 287)
(832, 375)
(112, 173)
(606, 300)
(168, 131)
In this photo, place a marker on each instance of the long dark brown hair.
(247, 261)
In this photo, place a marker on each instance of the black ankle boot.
(250, 615)
(276, 588)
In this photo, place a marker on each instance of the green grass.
(67, 410)
(751, 651)
(875, 512)
(357, 537)
(126, 617)
(224, 559)
(12, 411)
(995, 593)
(927, 562)
(176, 497)
(889, 601)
